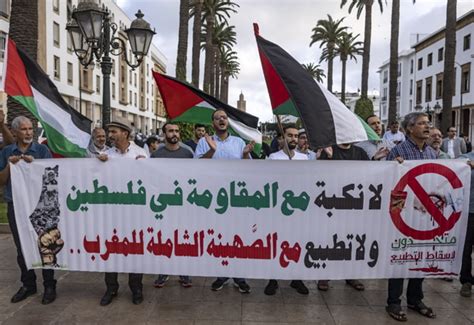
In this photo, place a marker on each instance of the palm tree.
(367, 5)
(315, 71)
(347, 47)
(213, 10)
(230, 68)
(181, 58)
(195, 12)
(393, 65)
(326, 33)
(24, 31)
(224, 38)
(449, 54)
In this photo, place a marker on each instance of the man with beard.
(172, 149)
(376, 149)
(222, 145)
(434, 141)
(97, 144)
(119, 133)
(199, 131)
(417, 127)
(24, 149)
(290, 134)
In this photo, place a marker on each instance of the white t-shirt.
(133, 151)
(451, 148)
(281, 155)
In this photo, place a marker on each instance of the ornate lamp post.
(93, 37)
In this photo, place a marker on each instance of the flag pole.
(285, 143)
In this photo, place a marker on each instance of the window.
(411, 66)
(467, 42)
(439, 85)
(147, 87)
(70, 73)
(57, 68)
(130, 96)
(419, 86)
(384, 96)
(429, 81)
(5, 8)
(430, 59)
(398, 89)
(113, 90)
(411, 87)
(135, 99)
(69, 9)
(440, 54)
(56, 6)
(3, 45)
(399, 69)
(85, 78)
(420, 63)
(465, 77)
(113, 67)
(135, 77)
(385, 76)
(97, 84)
(56, 34)
(410, 106)
(69, 43)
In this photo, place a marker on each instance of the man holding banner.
(417, 127)
(119, 133)
(24, 149)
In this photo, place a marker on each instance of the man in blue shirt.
(222, 145)
(417, 127)
(24, 149)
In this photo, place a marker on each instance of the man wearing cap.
(119, 133)
(303, 145)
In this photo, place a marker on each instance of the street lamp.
(418, 107)
(93, 36)
(437, 108)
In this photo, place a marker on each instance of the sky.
(289, 24)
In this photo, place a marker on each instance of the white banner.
(252, 219)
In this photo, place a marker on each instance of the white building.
(421, 77)
(134, 94)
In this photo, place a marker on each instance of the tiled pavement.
(79, 294)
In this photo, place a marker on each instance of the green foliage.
(186, 130)
(364, 107)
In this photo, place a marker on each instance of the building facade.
(421, 77)
(134, 94)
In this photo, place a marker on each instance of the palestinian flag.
(67, 131)
(294, 92)
(185, 103)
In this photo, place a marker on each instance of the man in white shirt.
(394, 135)
(119, 133)
(290, 134)
(453, 145)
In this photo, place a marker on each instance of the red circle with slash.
(409, 179)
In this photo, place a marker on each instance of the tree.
(449, 55)
(24, 31)
(367, 5)
(326, 33)
(347, 47)
(181, 58)
(224, 38)
(315, 71)
(196, 9)
(213, 10)
(230, 68)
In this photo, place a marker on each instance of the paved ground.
(79, 294)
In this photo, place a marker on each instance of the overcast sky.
(289, 24)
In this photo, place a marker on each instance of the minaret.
(241, 103)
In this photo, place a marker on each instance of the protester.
(434, 141)
(453, 145)
(119, 133)
(292, 138)
(466, 278)
(152, 144)
(172, 149)
(376, 149)
(222, 145)
(24, 149)
(343, 152)
(199, 131)
(417, 127)
(97, 145)
(303, 145)
(394, 135)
